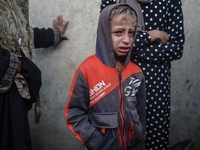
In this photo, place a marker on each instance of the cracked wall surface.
(58, 65)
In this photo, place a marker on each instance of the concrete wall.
(59, 63)
(185, 101)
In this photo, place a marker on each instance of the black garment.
(32, 74)
(43, 37)
(14, 127)
(4, 62)
(155, 61)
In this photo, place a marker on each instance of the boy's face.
(122, 31)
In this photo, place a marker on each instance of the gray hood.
(104, 45)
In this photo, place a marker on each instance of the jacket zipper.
(121, 110)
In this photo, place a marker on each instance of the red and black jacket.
(106, 107)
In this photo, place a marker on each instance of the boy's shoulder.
(90, 59)
(90, 62)
(134, 66)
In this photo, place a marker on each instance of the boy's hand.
(58, 23)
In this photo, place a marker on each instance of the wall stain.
(188, 84)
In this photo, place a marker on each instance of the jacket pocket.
(108, 140)
(106, 120)
(136, 129)
(109, 122)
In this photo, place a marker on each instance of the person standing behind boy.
(156, 47)
(106, 105)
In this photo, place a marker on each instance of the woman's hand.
(158, 36)
(58, 23)
(18, 66)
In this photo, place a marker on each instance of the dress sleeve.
(44, 38)
(8, 65)
(173, 49)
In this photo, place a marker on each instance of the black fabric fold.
(32, 74)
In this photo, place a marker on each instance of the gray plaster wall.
(58, 65)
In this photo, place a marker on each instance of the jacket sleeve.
(8, 65)
(76, 113)
(141, 104)
(44, 38)
(173, 49)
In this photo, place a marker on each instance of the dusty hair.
(126, 11)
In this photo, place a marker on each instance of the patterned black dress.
(155, 61)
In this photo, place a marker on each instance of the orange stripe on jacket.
(129, 72)
(67, 106)
(101, 79)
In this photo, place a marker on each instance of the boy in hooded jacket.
(106, 105)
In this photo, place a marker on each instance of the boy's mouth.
(124, 49)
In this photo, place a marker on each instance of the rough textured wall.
(185, 101)
(59, 63)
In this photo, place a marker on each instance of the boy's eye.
(132, 33)
(117, 32)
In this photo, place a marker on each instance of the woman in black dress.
(20, 79)
(160, 43)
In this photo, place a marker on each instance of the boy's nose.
(126, 39)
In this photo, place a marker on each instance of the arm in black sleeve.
(173, 49)
(44, 38)
(4, 62)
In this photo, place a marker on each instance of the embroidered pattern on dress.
(56, 36)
